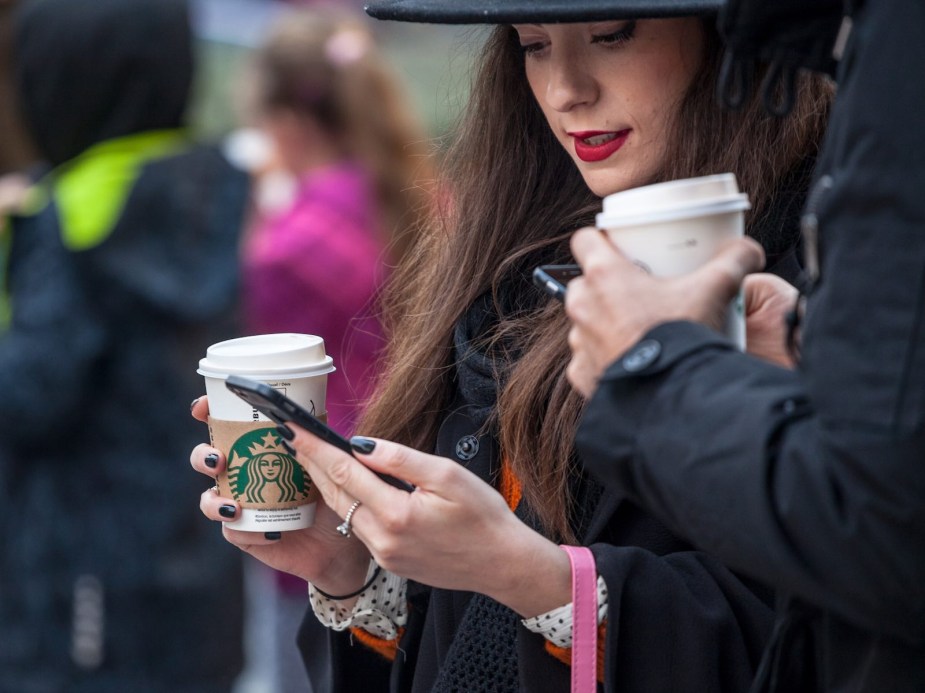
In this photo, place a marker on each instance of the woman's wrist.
(380, 610)
(346, 573)
(372, 576)
(537, 578)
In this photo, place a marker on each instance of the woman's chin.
(603, 185)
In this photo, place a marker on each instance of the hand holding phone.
(281, 410)
(553, 279)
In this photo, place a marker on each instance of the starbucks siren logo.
(260, 470)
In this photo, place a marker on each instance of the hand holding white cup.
(673, 228)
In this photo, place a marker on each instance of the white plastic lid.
(267, 357)
(675, 199)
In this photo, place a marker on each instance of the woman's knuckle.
(394, 521)
(595, 270)
(340, 472)
(387, 552)
(446, 476)
(399, 457)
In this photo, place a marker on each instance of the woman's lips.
(597, 145)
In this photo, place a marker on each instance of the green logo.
(260, 470)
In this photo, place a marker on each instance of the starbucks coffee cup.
(272, 489)
(673, 228)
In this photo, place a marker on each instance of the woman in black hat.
(560, 115)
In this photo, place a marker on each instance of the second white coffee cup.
(673, 228)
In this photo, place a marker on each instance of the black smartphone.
(553, 279)
(281, 410)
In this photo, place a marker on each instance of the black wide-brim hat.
(535, 11)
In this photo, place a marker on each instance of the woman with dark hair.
(462, 583)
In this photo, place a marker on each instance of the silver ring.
(344, 527)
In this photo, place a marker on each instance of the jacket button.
(643, 355)
(467, 448)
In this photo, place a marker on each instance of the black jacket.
(812, 480)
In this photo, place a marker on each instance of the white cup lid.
(267, 357)
(675, 199)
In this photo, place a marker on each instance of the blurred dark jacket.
(118, 278)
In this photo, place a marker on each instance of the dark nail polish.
(273, 536)
(211, 460)
(361, 444)
(288, 448)
(227, 511)
(285, 432)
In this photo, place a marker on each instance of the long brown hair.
(517, 197)
(324, 63)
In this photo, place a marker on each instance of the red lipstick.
(600, 151)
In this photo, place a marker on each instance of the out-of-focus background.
(433, 60)
(65, 622)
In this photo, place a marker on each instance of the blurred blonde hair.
(325, 64)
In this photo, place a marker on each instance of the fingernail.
(273, 536)
(211, 460)
(361, 444)
(285, 432)
(193, 403)
(289, 448)
(227, 511)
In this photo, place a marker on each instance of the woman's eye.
(532, 48)
(622, 35)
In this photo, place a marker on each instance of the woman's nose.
(570, 84)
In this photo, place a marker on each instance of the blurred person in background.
(344, 138)
(118, 273)
(341, 129)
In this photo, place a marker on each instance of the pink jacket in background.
(316, 268)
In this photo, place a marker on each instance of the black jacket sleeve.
(679, 622)
(815, 479)
(675, 622)
(728, 451)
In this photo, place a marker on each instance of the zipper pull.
(88, 627)
(841, 41)
(809, 227)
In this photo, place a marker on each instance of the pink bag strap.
(584, 619)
